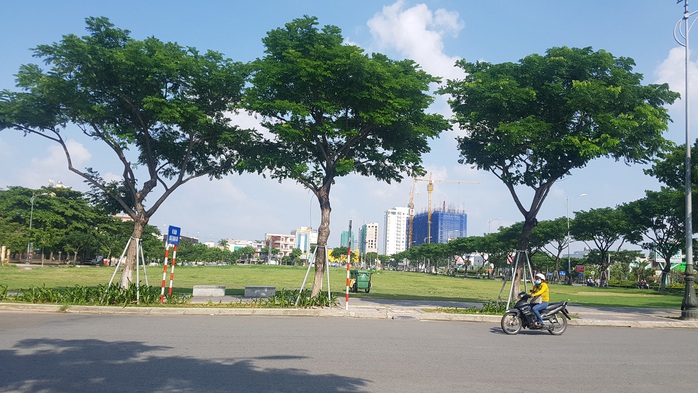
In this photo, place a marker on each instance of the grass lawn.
(385, 284)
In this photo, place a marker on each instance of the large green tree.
(661, 216)
(62, 222)
(159, 107)
(553, 233)
(602, 229)
(331, 110)
(531, 123)
(669, 167)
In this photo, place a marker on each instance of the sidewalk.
(383, 309)
(582, 315)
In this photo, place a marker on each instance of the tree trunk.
(521, 256)
(130, 264)
(323, 233)
(665, 274)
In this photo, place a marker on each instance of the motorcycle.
(554, 316)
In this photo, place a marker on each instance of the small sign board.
(579, 268)
(562, 273)
(173, 235)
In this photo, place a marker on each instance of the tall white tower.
(395, 230)
(368, 238)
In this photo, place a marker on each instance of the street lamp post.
(688, 305)
(31, 218)
(569, 240)
(489, 224)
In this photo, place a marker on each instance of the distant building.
(446, 224)
(123, 217)
(283, 242)
(234, 245)
(395, 238)
(305, 237)
(192, 240)
(346, 237)
(368, 238)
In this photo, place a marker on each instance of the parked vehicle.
(554, 316)
(98, 260)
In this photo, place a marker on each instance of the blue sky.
(433, 33)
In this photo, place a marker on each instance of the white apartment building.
(368, 238)
(285, 243)
(395, 230)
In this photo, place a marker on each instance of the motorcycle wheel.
(559, 325)
(511, 323)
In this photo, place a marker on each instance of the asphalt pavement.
(384, 309)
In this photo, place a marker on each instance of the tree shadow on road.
(50, 365)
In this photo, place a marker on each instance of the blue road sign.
(173, 235)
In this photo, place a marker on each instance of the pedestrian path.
(582, 315)
(383, 309)
(429, 310)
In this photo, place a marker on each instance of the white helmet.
(541, 276)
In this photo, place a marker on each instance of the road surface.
(41, 352)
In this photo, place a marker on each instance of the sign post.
(173, 235)
(346, 300)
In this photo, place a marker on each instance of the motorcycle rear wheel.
(559, 325)
(511, 323)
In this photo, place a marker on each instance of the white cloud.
(672, 71)
(417, 33)
(53, 165)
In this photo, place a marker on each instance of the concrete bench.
(208, 290)
(260, 291)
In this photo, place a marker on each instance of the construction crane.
(430, 188)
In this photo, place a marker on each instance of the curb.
(367, 313)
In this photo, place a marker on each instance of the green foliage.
(62, 220)
(493, 307)
(642, 271)
(191, 252)
(622, 283)
(661, 217)
(371, 257)
(101, 294)
(530, 123)
(159, 107)
(331, 110)
(490, 307)
(287, 299)
(70, 222)
(669, 167)
(604, 228)
(334, 110)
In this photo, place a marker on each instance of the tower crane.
(430, 188)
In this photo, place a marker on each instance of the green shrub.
(491, 307)
(285, 298)
(101, 294)
(622, 283)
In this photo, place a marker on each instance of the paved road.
(52, 352)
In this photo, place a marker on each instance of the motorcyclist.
(540, 289)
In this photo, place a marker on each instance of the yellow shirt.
(542, 291)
